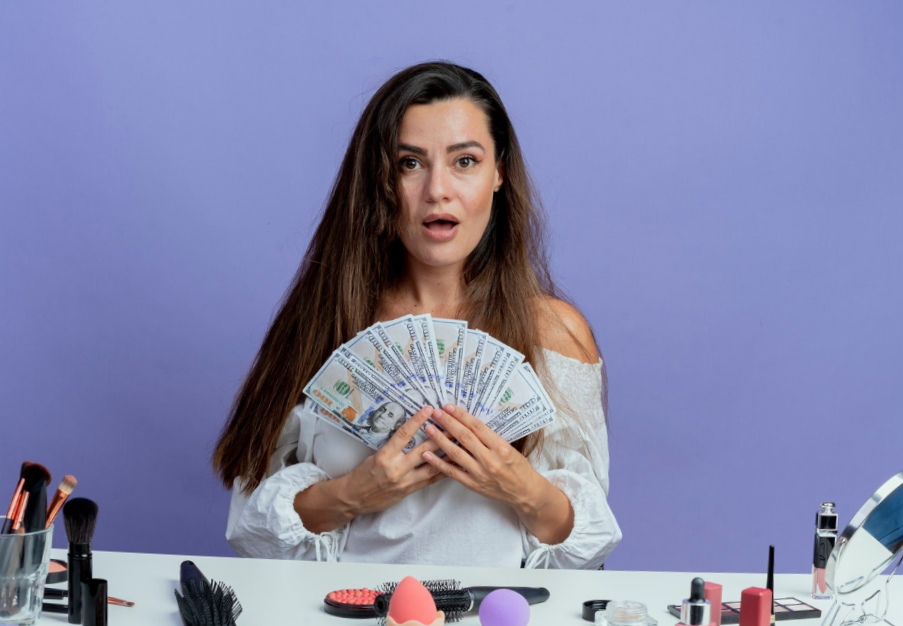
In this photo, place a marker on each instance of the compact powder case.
(57, 572)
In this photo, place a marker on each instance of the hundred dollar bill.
(474, 347)
(531, 428)
(333, 421)
(368, 346)
(497, 379)
(358, 400)
(527, 423)
(403, 334)
(450, 340)
(395, 352)
(520, 400)
(427, 334)
(366, 373)
(492, 357)
(534, 380)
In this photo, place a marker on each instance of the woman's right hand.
(381, 480)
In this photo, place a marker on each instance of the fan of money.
(388, 372)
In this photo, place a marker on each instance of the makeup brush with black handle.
(14, 503)
(36, 480)
(80, 516)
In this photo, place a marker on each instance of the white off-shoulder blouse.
(445, 523)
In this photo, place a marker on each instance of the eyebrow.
(452, 148)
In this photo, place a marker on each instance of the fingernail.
(428, 456)
(430, 429)
(450, 407)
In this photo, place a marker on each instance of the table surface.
(292, 592)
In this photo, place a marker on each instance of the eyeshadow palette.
(784, 609)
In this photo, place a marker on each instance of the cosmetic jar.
(593, 607)
(625, 613)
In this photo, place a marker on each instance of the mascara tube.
(80, 569)
(825, 537)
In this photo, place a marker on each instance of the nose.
(437, 185)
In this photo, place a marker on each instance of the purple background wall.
(724, 181)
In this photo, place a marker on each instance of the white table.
(290, 592)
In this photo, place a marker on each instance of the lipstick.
(756, 607)
(825, 538)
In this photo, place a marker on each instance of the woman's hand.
(381, 480)
(487, 464)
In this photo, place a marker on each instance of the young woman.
(433, 212)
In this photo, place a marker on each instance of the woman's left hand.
(483, 462)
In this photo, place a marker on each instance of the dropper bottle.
(696, 610)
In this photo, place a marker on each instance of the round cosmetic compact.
(624, 613)
(57, 572)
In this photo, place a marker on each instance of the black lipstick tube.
(80, 568)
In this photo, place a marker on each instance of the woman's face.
(448, 174)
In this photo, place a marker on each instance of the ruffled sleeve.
(265, 524)
(574, 458)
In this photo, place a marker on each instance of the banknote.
(492, 359)
(474, 347)
(427, 334)
(522, 404)
(369, 347)
(542, 422)
(450, 338)
(404, 335)
(370, 376)
(395, 352)
(332, 420)
(498, 377)
(358, 401)
(377, 380)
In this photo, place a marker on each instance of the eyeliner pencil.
(769, 581)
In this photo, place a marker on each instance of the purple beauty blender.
(504, 607)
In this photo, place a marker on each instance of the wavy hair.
(356, 255)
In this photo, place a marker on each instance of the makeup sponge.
(412, 603)
(504, 607)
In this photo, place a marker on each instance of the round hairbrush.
(450, 597)
(361, 603)
(352, 603)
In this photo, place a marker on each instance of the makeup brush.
(19, 516)
(62, 594)
(80, 516)
(205, 603)
(13, 507)
(36, 480)
(59, 498)
(17, 495)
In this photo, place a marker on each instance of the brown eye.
(467, 161)
(408, 163)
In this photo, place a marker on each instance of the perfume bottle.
(825, 536)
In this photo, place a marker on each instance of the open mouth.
(440, 223)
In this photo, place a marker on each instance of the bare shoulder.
(563, 329)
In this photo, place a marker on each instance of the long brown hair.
(356, 255)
